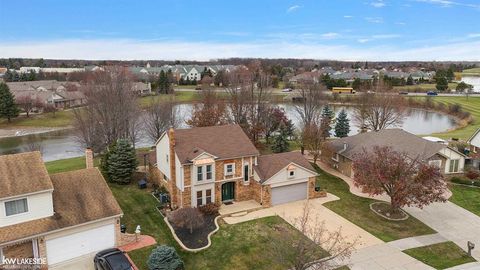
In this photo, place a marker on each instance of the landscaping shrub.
(164, 258)
(460, 180)
(188, 218)
(209, 209)
(455, 108)
(472, 175)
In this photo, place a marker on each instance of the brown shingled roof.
(227, 141)
(79, 196)
(269, 165)
(22, 174)
(399, 140)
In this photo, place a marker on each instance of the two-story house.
(55, 219)
(220, 164)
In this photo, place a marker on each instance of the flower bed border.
(193, 249)
(389, 218)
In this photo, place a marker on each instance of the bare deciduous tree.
(301, 253)
(111, 110)
(27, 103)
(187, 217)
(375, 112)
(160, 116)
(211, 111)
(314, 139)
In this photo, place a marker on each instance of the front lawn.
(357, 210)
(239, 246)
(466, 197)
(440, 256)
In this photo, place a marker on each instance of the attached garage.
(81, 243)
(289, 193)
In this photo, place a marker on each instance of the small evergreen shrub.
(164, 258)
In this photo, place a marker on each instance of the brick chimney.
(173, 180)
(89, 158)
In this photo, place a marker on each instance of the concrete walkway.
(418, 241)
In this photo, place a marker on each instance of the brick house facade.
(220, 164)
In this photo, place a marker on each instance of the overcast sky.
(202, 30)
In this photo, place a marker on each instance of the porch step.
(239, 214)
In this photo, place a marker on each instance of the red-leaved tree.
(407, 181)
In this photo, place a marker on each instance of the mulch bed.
(383, 209)
(199, 237)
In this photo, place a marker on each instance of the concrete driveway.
(452, 222)
(81, 263)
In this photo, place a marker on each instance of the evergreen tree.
(327, 120)
(121, 162)
(163, 83)
(164, 258)
(410, 80)
(8, 108)
(280, 141)
(342, 127)
(442, 84)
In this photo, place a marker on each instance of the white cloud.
(347, 16)
(378, 4)
(401, 23)
(449, 3)
(330, 35)
(125, 49)
(293, 8)
(363, 40)
(374, 19)
(473, 35)
(386, 36)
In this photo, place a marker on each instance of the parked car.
(112, 259)
(287, 90)
(403, 93)
(198, 88)
(432, 93)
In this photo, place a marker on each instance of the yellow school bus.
(340, 90)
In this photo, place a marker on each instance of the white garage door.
(289, 193)
(78, 244)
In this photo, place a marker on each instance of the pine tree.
(8, 108)
(121, 162)
(342, 127)
(327, 120)
(280, 141)
(410, 80)
(164, 258)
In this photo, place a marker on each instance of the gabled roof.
(269, 165)
(398, 139)
(224, 142)
(23, 173)
(79, 197)
(473, 135)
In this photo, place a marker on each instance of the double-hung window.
(208, 170)
(16, 207)
(199, 173)
(199, 198)
(208, 196)
(453, 165)
(229, 168)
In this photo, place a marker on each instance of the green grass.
(466, 197)
(471, 105)
(241, 246)
(357, 210)
(422, 87)
(60, 119)
(180, 97)
(471, 72)
(68, 164)
(440, 256)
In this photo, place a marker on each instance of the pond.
(473, 80)
(63, 143)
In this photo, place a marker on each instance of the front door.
(228, 191)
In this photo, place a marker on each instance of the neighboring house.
(220, 165)
(194, 73)
(61, 217)
(474, 141)
(342, 152)
(50, 92)
(142, 89)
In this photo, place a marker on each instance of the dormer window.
(16, 207)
